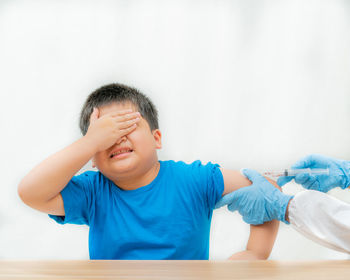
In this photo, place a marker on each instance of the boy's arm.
(41, 187)
(260, 243)
(262, 237)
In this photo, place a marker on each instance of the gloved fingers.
(252, 220)
(233, 204)
(311, 161)
(335, 170)
(281, 181)
(332, 182)
(232, 207)
(302, 163)
(309, 182)
(301, 178)
(320, 161)
(226, 199)
(252, 175)
(312, 184)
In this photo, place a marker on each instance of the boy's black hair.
(118, 93)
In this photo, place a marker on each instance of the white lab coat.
(322, 218)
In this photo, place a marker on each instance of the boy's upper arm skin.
(54, 206)
(234, 180)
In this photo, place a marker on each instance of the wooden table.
(174, 270)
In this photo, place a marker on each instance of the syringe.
(294, 172)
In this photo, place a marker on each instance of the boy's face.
(142, 141)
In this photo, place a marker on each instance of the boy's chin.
(122, 166)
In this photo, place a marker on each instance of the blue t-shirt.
(166, 219)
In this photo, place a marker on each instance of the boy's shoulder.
(88, 174)
(190, 165)
(91, 177)
(175, 163)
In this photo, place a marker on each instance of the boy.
(136, 206)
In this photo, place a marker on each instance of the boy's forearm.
(260, 243)
(262, 238)
(48, 178)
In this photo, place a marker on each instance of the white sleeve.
(321, 218)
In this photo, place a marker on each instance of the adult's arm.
(321, 218)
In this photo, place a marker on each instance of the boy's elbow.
(262, 256)
(259, 255)
(21, 191)
(24, 192)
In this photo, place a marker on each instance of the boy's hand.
(104, 131)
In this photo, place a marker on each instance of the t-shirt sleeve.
(210, 180)
(77, 200)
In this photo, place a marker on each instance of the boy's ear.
(157, 138)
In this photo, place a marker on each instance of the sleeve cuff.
(284, 205)
(347, 175)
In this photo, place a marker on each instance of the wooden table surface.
(188, 270)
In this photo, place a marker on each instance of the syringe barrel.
(311, 171)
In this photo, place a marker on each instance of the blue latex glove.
(257, 203)
(339, 173)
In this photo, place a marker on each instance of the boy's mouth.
(121, 153)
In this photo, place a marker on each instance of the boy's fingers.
(124, 114)
(127, 130)
(126, 124)
(126, 117)
(121, 113)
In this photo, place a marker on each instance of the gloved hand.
(339, 173)
(257, 203)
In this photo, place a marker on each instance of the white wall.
(254, 84)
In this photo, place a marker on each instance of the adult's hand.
(258, 203)
(339, 173)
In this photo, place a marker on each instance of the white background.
(254, 84)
